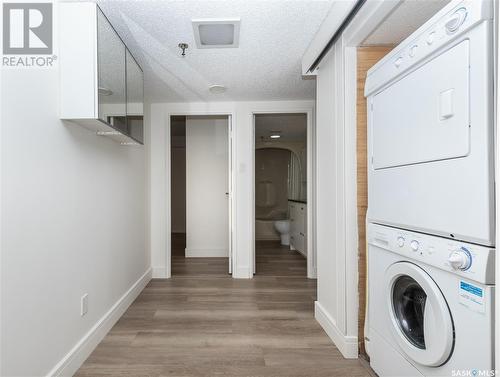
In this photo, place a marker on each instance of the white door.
(207, 221)
(230, 191)
(424, 116)
(421, 321)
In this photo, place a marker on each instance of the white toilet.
(283, 228)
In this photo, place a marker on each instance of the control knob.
(460, 259)
(414, 245)
(456, 20)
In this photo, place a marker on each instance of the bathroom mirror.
(111, 75)
(135, 92)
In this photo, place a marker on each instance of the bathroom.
(281, 187)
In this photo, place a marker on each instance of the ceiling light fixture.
(216, 32)
(275, 136)
(217, 89)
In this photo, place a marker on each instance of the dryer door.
(421, 321)
(424, 116)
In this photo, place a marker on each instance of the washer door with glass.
(421, 321)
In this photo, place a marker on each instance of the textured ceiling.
(407, 18)
(292, 127)
(266, 66)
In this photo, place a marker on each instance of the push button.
(414, 245)
(401, 241)
(413, 51)
(430, 38)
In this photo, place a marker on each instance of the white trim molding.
(242, 175)
(347, 345)
(79, 353)
(243, 272)
(159, 272)
(497, 179)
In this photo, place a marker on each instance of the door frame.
(310, 186)
(496, 58)
(232, 173)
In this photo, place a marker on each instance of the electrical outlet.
(84, 304)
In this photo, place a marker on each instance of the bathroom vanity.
(297, 210)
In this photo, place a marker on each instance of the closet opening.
(200, 156)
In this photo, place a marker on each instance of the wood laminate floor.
(204, 323)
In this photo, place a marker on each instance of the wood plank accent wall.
(366, 57)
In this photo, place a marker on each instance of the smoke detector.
(216, 32)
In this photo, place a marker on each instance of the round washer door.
(421, 321)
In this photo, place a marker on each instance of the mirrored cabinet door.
(111, 75)
(135, 95)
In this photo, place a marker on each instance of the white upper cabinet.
(101, 83)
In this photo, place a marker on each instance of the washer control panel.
(455, 19)
(474, 262)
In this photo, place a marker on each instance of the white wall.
(243, 155)
(336, 220)
(336, 307)
(73, 222)
(206, 186)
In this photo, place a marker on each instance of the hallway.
(204, 323)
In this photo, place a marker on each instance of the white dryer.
(430, 128)
(431, 311)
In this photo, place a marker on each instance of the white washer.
(431, 305)
(430, 128)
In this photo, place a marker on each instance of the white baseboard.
(79, 353)
(347, 345)
(159, 273)
(204, 253)
(313, 274)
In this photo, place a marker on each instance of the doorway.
(200, 194)
(280, 194)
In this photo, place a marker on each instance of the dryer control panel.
(471, 261)
(446, 26)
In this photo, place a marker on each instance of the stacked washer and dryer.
(431, 220)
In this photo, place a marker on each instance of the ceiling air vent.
(216, 32)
